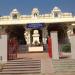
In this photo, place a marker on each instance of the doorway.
(61, 28)
(16, 31)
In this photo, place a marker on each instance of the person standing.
(49, 47)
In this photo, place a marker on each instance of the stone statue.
(35, 37)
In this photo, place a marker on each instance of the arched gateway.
(32, 31)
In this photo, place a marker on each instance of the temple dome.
(56, 9)
(15, 11)
(35, 10)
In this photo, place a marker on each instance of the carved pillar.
(44, 35)
(27, 36)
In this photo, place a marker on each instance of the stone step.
(22, 64)
(21, 60)
(63, 61)
(28, 66)
(21, 67)
(70, 62)
(65, 70)
(64, 65)
(20, 72)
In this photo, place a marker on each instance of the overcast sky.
(44, 6)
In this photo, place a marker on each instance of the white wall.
(54, 38)
(3, 47)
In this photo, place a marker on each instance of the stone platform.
(36, 49)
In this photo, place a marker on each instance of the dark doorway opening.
(62, 31)
(18, 32)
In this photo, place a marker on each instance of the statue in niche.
(35, 36)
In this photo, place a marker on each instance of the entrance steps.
(22, 67)
(64, 65)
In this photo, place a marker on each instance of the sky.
(44, 6)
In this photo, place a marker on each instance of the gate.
(12, 48)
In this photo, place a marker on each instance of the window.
(15, 16)
(35, 14)
(55, 14)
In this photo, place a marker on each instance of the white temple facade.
(38, 27)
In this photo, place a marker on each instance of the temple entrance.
(24, 38)
(16, 41)
(35, 37)
(31, 36)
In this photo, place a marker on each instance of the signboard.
(35, 25)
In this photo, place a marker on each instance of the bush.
(66, 48)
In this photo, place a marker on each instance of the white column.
(44, 35)
(72, 41)
(3, 48)
(54, 38)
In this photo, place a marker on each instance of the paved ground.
(33, 55)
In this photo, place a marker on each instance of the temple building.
(32, 31)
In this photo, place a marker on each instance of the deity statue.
(35, 37)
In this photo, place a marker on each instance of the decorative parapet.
(25, 17)
(55, 16)
(5, 18)
(66, 15)
(55, 13)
